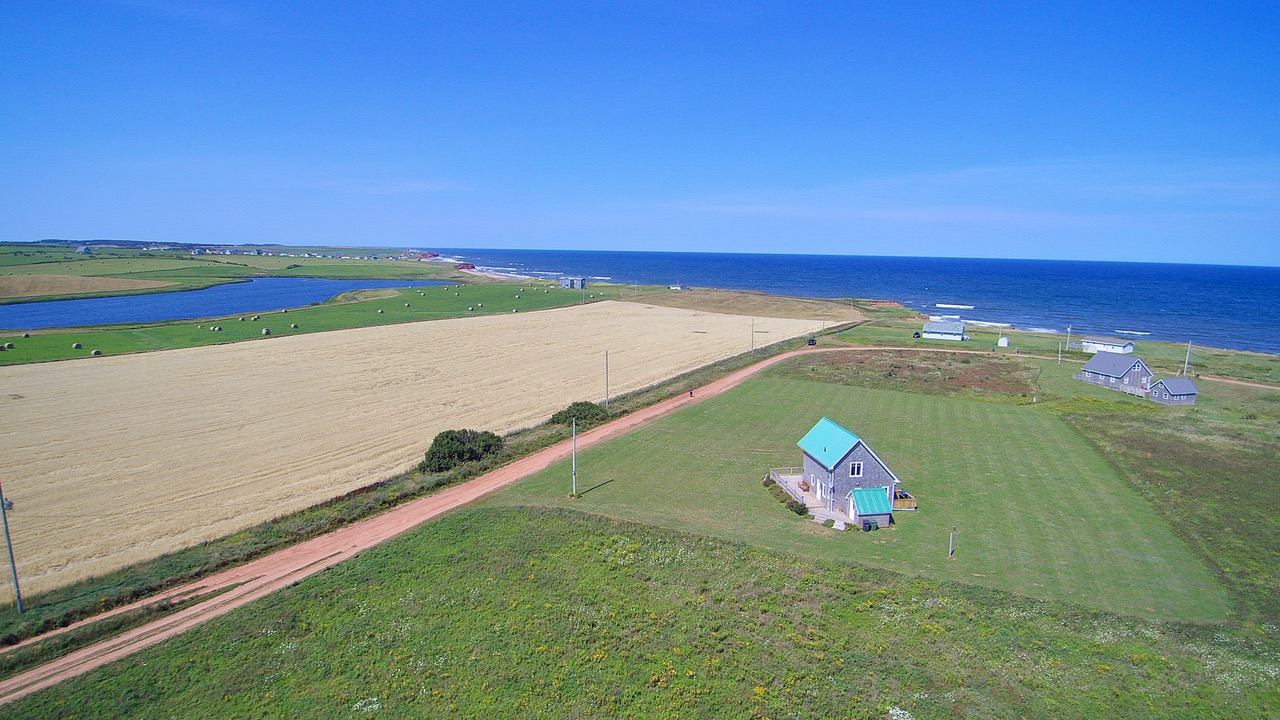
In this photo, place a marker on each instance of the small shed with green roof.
(871, 506)
(838, 465)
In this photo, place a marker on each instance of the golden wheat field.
(115, 460)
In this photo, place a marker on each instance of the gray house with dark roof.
(1114, 371)
(1174, 391)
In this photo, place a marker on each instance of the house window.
(1166, 396)
(1113, 381)
(1088, 374)
(1126, 379)
(855, 469)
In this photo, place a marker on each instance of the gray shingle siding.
(880, 520)
(874, 474)
(1174, 391)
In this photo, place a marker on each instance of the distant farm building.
(1003, 341)
(1174, 391)
(938, 330)
(573, 283)
(1095, 344)
(1117, 372)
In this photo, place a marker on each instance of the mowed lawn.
(1037, 510)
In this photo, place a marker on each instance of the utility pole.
(575, 456)
(13, 565)
(951, 549)
(1059, 352)
(1187, 362)
(1068, 337)
(606, 379)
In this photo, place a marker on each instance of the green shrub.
(785, 498)
(452, 448)
(588, 414)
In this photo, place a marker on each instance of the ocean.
(1214, 305)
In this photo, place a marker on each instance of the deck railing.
(778, 475)
(905, 501)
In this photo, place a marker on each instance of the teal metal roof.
(872, 501)
(827, 442)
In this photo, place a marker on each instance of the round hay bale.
(1, 348)
(96, 353)
(471, 308)
(256, 318)
(294, 325)
(26, 335)
(200, 327)
(379, 312)
(266, 331)
(8, 346)
(242, 318)
(514, 310)
(455, 294)
(285, 310)
(517, 297)
(76, 346)
(406, 304)
(479, 304)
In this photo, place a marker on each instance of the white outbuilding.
(1096, 344)
(937, 330)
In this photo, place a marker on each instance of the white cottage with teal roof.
(847, 475)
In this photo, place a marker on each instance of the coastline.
(1209, 305)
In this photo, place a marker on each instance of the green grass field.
(362, 309)
(1040, 512)
(511, 612)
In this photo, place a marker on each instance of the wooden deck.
(904, 500)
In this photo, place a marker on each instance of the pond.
(257, 295)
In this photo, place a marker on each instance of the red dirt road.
(243, 584)
(246, 583)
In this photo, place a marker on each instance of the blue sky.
(1108, 131)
